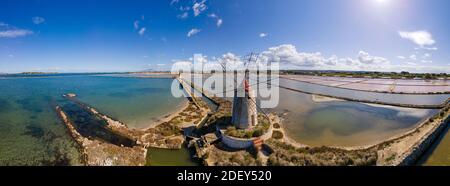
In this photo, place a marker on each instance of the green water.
(166, 157)
(32, 134)
(439, 153)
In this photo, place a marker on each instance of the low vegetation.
(277, 134)
(287, 155)
(220, 157)
(257, 131)
(167, 129)
(276, 125)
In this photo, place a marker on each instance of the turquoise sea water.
(31, 133)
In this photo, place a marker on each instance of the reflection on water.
(343, 123)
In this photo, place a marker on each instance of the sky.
(134, 35)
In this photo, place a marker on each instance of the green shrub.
(258, 132)
(276, 125)
(248, 134)
(277, 134)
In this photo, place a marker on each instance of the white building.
(245, 114)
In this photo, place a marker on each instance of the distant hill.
(37, 73)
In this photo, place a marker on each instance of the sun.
(382, 1)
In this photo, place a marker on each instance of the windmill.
(245, 113)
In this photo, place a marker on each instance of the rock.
(70, 95)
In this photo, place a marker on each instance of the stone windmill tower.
(245, 113)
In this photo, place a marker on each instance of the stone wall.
(241, 143)
(413, 155)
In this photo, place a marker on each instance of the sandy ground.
(167, 117)
(321, 99)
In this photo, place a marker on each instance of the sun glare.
(382, 1)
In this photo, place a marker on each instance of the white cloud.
(219, 22)
(366, 58)
(263, 35)
(289, 57)
(183, 15)
(184, 8)
(142, 31)
(174, 2)
(193, 32)
(199, 7)
(288, 54)
(413, 57)
(136, 25)
(38, 20)
(401, 57)
(429, 48)
(213, 15)
(421, 37)
(13, 33)
(8, 31)
(426, 55)
(181, 65)
(199, 58)
(426, 61)
(411, 63)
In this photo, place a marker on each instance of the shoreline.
(401, 149)
(165, 133)
(167, 117)
(323, 99)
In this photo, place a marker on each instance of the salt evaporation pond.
(343, 123)
(346, 123)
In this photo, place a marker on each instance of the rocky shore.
(99, 153)
(167, 134)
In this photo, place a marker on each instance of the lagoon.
(31, 132)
